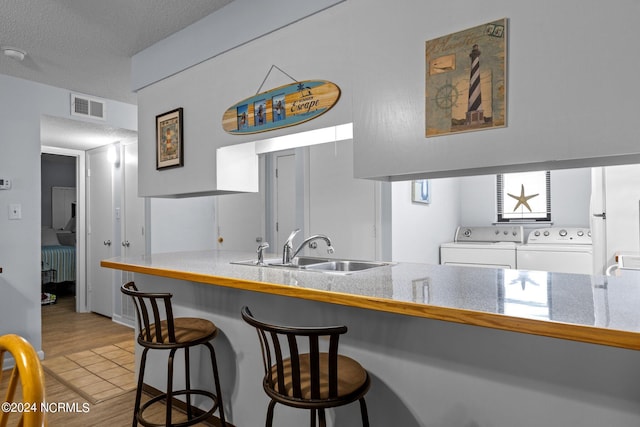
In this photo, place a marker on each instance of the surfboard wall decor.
(281, 107)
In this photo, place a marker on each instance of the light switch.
(15, 211)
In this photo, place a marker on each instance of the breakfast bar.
(444, 345)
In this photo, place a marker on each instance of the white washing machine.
(485, 246)
(557, 249)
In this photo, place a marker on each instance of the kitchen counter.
(599, 310)
(445, 346)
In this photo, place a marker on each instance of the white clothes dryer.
(558, 250)
(483, 246)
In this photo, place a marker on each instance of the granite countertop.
(595, 309)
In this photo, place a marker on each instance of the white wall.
(182, 224)
(57, 171)
(340, 206)
(379, 64)
(376, 100)
(218, 33)
(419, 229)
(205, 92)
(23, 104)
(564, 84)
(570, 198)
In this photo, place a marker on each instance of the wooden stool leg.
(136, 407)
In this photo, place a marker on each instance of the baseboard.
(123, 321)
(182, 406)
(9, 362)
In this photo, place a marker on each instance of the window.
(524, 196)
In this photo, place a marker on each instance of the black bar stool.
(171, 334)
(313, 380)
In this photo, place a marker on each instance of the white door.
(133, 225)
(341, 206)
(619, 199)
(100, 231)
(285, 195)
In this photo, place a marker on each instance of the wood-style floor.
(64, 332)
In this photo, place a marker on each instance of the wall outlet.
(15, 211)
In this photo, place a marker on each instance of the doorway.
(76, 160)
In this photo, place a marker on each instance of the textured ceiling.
(76, 135)
(86, 46)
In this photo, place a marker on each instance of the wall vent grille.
(87, 107)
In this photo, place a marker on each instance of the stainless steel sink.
(323, 265)
(345, 266)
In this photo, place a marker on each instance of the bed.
(58, 260)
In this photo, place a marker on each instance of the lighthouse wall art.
(465, 84)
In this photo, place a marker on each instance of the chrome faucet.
(288, 254)
(288, 247)
(260, 252)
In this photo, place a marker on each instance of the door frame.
(81, 242)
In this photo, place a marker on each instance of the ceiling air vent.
(87, 107)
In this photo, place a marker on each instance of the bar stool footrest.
(163, 397)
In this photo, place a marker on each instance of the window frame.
(500, 202)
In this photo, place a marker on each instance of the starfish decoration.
(522, 279)
(522, 199)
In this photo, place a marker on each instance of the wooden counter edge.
(582, 333)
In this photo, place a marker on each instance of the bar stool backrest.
(28, 373)
(152, 309)
(281, 352)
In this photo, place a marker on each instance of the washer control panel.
(491, 234)
(560, 236)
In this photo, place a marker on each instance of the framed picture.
(466, 88)
(169, 141)
(421, 191)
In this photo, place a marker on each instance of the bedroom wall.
(57, 171)
(20, 239)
